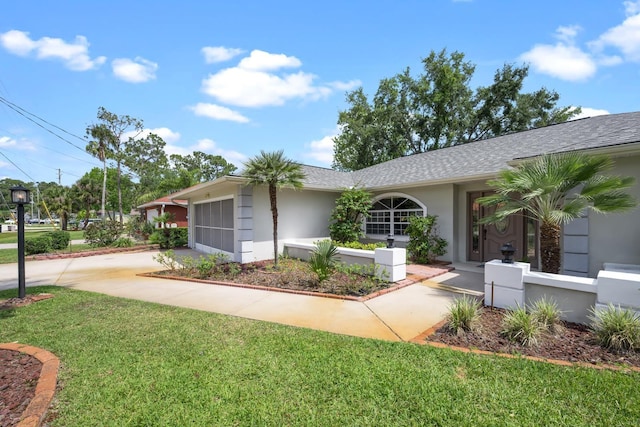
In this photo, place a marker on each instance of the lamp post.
(390, 240)
(507, 251)
(20, 196)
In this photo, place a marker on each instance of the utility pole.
(59, 177)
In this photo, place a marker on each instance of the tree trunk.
(274, 214)
(120, 194)
(104, 188)
(550, 247)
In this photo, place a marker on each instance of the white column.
(391, 264)
(504, 283)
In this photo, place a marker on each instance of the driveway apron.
(397, 316)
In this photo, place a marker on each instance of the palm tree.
(276, 171)
(100, 148)
(555, 189)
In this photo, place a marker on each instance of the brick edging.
(34, 414)
(399, 285)
(83, 254)
(422, 340)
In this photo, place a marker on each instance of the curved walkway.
(396, 316)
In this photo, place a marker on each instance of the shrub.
(59, 239)
(169, 238)
(616, 328)
(123, 242)
(38, 245)
(520, 326)
(358, 245)
(210, 265)
(546, 312)
(138, 228)
(424, 243)
(102, 233)
(352, 207)
(168, 260)
(464, 315)
(323, 259)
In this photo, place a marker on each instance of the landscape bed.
(292, 275)
(574, 343)
(126, 362)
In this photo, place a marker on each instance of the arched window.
(390, 215)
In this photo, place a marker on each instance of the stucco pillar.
(619, 288)
(504, 283)
(391, 264)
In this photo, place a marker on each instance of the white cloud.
(567, 34)
(322, 150)
(567, 61)
(631, 7)
(562, 61)
(257, 82)
(166, 134)
(259, 60)
(624, 37)
(74, 55)
(209, 146)
(6, 142)
(590, 112)
(352, 84)
(22, 144)
(218, 112)
(246, 88)
(219, 53)
(138, 70)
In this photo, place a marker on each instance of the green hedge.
(169, 238)
(38, 245)
(59, 239)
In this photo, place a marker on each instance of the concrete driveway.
(397, 316)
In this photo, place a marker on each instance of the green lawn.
(32, 232)
(8, 256)
(126, 362)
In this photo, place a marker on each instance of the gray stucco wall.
(301, 214)
(615, 237)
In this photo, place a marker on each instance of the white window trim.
(386, 196)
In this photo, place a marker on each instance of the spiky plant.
(555, 189)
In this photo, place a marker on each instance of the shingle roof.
(323, 178)
(486, 157)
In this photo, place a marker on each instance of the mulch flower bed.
(292, 275)
(573, 343)
(19, 375)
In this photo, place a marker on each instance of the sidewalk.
(397, 316)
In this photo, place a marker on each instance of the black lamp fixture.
(390, 240)
(20, 196)
(507, 251)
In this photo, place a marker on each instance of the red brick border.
(98, 251)
(46, 387)
(422, 340)
(410, 280)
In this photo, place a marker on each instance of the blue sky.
(234, 78)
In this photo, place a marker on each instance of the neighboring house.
(228, 216)
(162, 205)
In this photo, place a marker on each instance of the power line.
(18, 167)
(20, 110)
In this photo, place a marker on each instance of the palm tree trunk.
(274, 214)
(550, 247)
(120, 193)
(104, 187)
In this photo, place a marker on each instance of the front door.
(484, 240)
